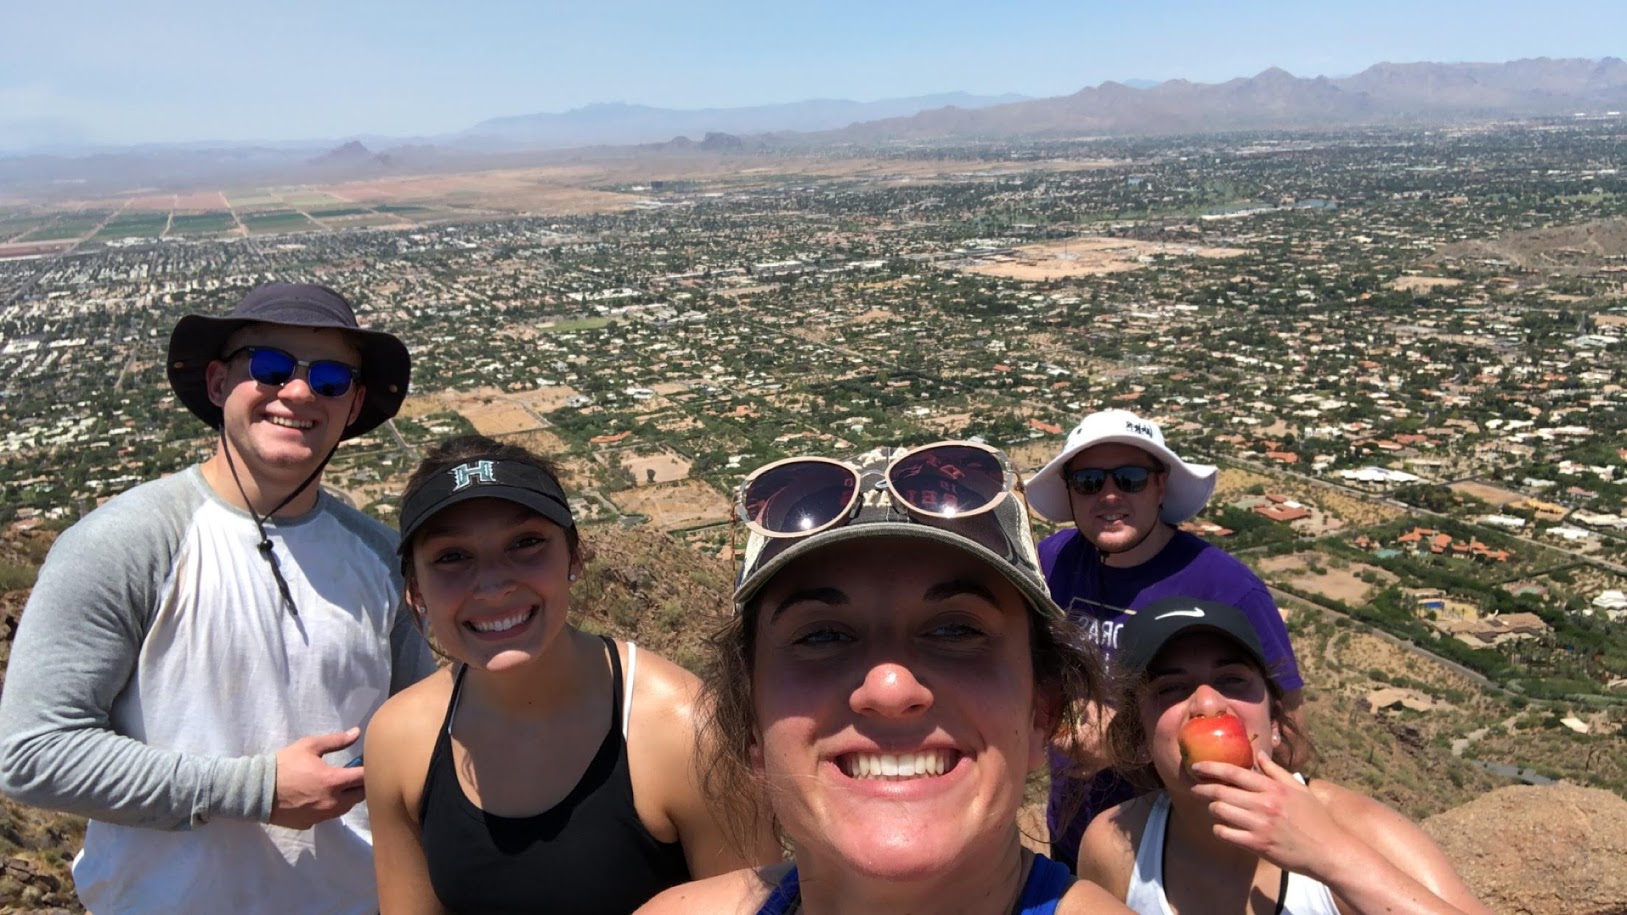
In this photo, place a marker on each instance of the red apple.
(1220, 738)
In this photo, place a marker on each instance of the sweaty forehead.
(303, 342)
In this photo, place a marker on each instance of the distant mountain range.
(1387, 93)
(618, 123)
(1276, 99)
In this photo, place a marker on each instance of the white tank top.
(1300, 895)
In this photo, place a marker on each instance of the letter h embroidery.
(464, 474)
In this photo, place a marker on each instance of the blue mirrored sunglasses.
(275, 367)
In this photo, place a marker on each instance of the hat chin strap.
(265, 544)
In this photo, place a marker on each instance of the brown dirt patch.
(1423, 283)
(492, 411)
(153, 202)
(498, 417)
(1487, 492)
(1340, 584)
(875, 314)
(1029, 457)
(654, 469)
(544, 400)
(542, 442)
(1089, 256)
(34, 249)
(674, 505)
(200, 201)
(948, 424)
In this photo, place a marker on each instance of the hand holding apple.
(1217, 738)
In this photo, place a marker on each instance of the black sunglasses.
(272, 366)
(1088, 481)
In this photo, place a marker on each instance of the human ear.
(1047, 712)
(214, 381)
(356, 404)
(754, 753)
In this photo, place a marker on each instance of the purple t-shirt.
(1093, 593)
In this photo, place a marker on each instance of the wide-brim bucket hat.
(999, 538)
(198, 340)
(1187, 486)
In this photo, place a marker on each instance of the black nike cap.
(1153, 626)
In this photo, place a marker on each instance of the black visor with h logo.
(511, 481)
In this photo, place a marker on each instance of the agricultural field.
(202, 224)
(75, 225)
(272, 221)
(14, 228)
(308, 199)
(251, 201)
(135, 225)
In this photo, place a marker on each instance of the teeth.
(899, 766)
(289, 423)
(506, 623)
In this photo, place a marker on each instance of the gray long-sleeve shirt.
(157, 671)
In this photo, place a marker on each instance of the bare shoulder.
(1107, 852)
(401, 735)
(1351, 808)
(664, 701)
(742, 891)
(662, 684)
(405, 713)
(1086, 898)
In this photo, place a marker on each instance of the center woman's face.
(896, 707)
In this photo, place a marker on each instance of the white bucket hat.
(1187, 487)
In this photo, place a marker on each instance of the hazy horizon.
(189, 71)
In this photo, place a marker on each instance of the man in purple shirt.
(1125, 490)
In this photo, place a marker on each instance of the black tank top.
(590, 853)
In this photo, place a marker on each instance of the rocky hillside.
(1541, 851)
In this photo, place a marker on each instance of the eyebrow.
(836, 597)
(945, 590)
(832, 596)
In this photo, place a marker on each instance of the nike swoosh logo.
(1195, 611)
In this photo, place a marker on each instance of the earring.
(573, 576)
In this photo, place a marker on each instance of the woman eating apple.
(1232, 830)
(894, 670)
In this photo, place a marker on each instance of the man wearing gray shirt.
(200, 655)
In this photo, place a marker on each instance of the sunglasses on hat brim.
(801, 496)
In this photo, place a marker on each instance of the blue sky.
(130, 72)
